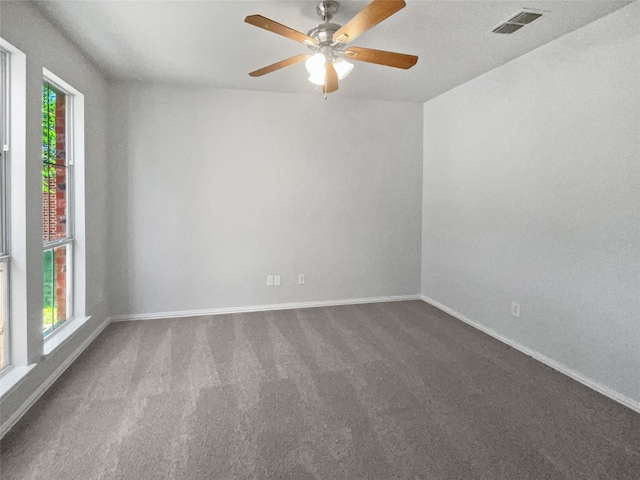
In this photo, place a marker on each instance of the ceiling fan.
(328, 42)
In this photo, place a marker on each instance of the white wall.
(44, 46)
(217, 189)
(532, 194)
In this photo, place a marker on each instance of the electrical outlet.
(301, 279)
(269, 280)
(276, 280)
(515, 309)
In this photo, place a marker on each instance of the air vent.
(523, 18)
(508, 28)
(516, 22)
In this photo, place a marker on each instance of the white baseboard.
(44, 386)
(598, 387)
(259, 308)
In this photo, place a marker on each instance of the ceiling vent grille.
(518, 21)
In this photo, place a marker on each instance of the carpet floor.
(380, 391)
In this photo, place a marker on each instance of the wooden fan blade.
(389, 59)
(279, 65)
(368, 17)
(330, 78)
(275, 27)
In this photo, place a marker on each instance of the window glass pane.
(3, 141)
(54, 160)
(49, 287)
(4, 220)
(56, 279)
(54, 203)
(4, 339)
(2, 215)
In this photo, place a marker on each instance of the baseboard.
(598, 387)
(260, 308)
(44, 386)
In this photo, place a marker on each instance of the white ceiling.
(208, 43)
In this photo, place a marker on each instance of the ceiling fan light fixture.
(343, 68)
(317, 78)
(316, 67)
(315, 64)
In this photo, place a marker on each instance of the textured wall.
(531, 194)
(217, 189)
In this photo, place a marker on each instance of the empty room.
(320, 240)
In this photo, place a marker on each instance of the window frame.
(68, 241)
(5, 209)
(76, 204)
(21, 356)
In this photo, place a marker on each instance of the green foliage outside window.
(49, 293)
(49, 152)
(49, 97)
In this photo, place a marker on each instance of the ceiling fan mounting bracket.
(327, 9)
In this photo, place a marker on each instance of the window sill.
(12, 377)
(59, 337)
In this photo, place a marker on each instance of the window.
(57, 224)
(4, 210)
(62, 193)
(14, 345)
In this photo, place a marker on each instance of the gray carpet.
(379, 391)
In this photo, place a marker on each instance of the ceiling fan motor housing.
(323, 33)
